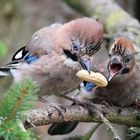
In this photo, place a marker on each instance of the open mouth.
(115, 68)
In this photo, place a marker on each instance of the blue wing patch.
(23, 54)
(30, 58)
(89, 86)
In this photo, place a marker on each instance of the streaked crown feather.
(122, 46)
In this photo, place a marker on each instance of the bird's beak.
(114, 68)
(85, 63)
(111, 75)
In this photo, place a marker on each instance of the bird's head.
(82, 38)
(121, 57)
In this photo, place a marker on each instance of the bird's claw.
(59, 109)
(87, 104)
(108, 105)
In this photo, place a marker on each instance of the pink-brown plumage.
(124, 87)
(85, 32)
(57, 58)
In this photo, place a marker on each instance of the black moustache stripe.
(70, 55)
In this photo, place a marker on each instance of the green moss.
(79, 7)
(97, 12)
(137, 40)
(113, 19)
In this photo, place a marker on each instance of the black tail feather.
(4, 71)
(62, 128)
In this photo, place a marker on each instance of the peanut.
(94, 77)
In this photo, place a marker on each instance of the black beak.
(85, 63)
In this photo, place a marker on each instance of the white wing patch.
(19, 55)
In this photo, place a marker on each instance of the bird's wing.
(42, 42)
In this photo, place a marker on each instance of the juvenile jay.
(53, 54)
(123, 75)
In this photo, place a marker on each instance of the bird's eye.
(127, 59)
(75, 46)
(109, 55)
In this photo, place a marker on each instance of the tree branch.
(49, 114)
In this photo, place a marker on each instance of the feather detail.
(122, 46)
(89, 86)
(87, 33)
(30, 58)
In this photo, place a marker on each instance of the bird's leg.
(84, 103)
(66, 97)
(57, 107)
(107, 104)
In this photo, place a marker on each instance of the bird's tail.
(4, 71)
(62, 128)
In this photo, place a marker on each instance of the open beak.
(85, 63)
(115, 68)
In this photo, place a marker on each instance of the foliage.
(20, 97)
(133, 133)
(3, 49)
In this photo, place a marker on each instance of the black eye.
(75, 46)
(127, 59)
(109, 55)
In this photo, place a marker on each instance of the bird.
(54, 54)
(123, 75)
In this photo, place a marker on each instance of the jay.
(53, 54)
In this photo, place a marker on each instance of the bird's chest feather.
(54, 74)
(120, 92)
